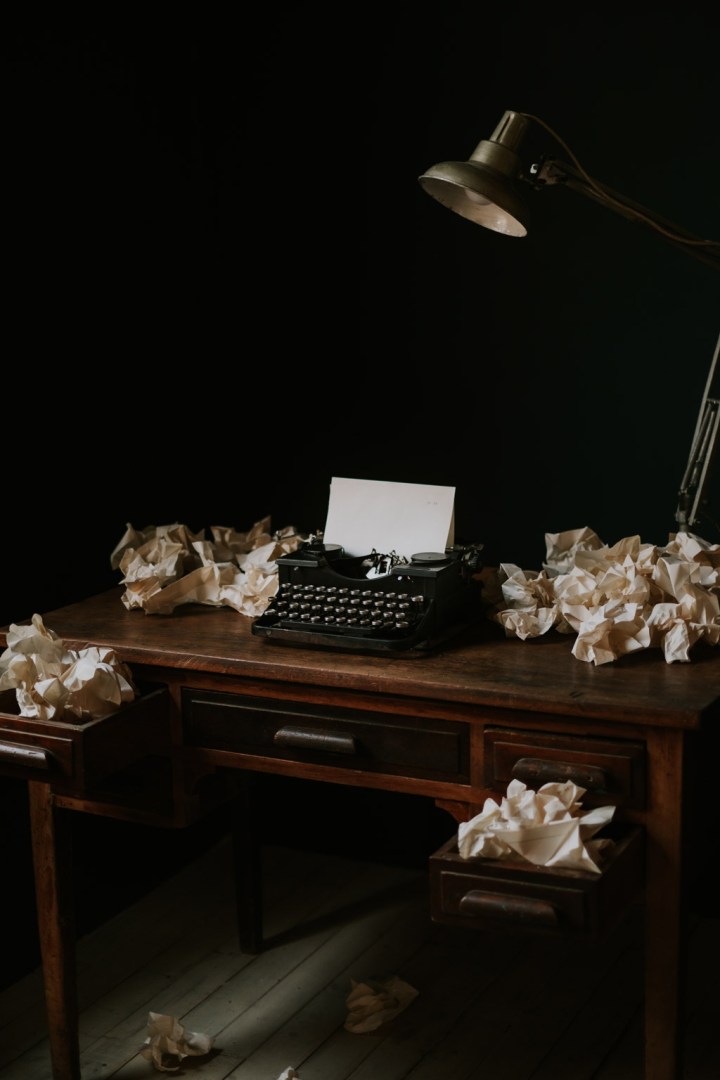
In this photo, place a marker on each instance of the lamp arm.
(553, 171)
(702, 451)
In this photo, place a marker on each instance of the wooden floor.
(489, 1007)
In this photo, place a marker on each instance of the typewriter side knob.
(333, 551)
(314, 546)
(428, 558)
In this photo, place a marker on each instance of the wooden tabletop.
(478, 667)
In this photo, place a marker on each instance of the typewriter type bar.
(326, 598)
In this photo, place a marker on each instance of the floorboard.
(489, 1007)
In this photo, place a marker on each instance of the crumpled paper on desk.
(544, 827)
(373, 1003)
(168, 1043)
(169, 565)
(617, 599)
(50, 680)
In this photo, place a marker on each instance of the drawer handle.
(325, 741)
(539, 771)
(25, 755)
(516, 909)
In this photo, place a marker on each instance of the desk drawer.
(339, 737)
(515, 895)
(612, 773)
(76, 754)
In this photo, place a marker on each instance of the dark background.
(224, 286)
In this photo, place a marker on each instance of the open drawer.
(72, 753)
(513, 894)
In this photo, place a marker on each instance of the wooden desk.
(451, 726)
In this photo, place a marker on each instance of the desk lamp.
(484, 190)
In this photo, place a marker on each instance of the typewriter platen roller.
(372, 603)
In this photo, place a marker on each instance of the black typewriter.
(372, 603)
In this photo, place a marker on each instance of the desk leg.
(53, 886)
(248, 868)
(665, 915)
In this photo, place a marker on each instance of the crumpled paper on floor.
(544, 827)
(168, 1043)
(618, 599)
(169, 565)
(51, 681)
(289, 1074)
(373, 1003)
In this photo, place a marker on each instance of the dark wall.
(224, 285)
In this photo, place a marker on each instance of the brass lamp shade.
(479, 194)
(482, 189)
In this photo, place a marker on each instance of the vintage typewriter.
(373, 603)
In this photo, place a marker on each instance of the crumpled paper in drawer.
(50, 680)
(546, 827)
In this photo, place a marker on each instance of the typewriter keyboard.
(344, 610)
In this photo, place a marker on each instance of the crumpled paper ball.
(166, 566)
(618, 599)
(372, 1004)
(168, 1043)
